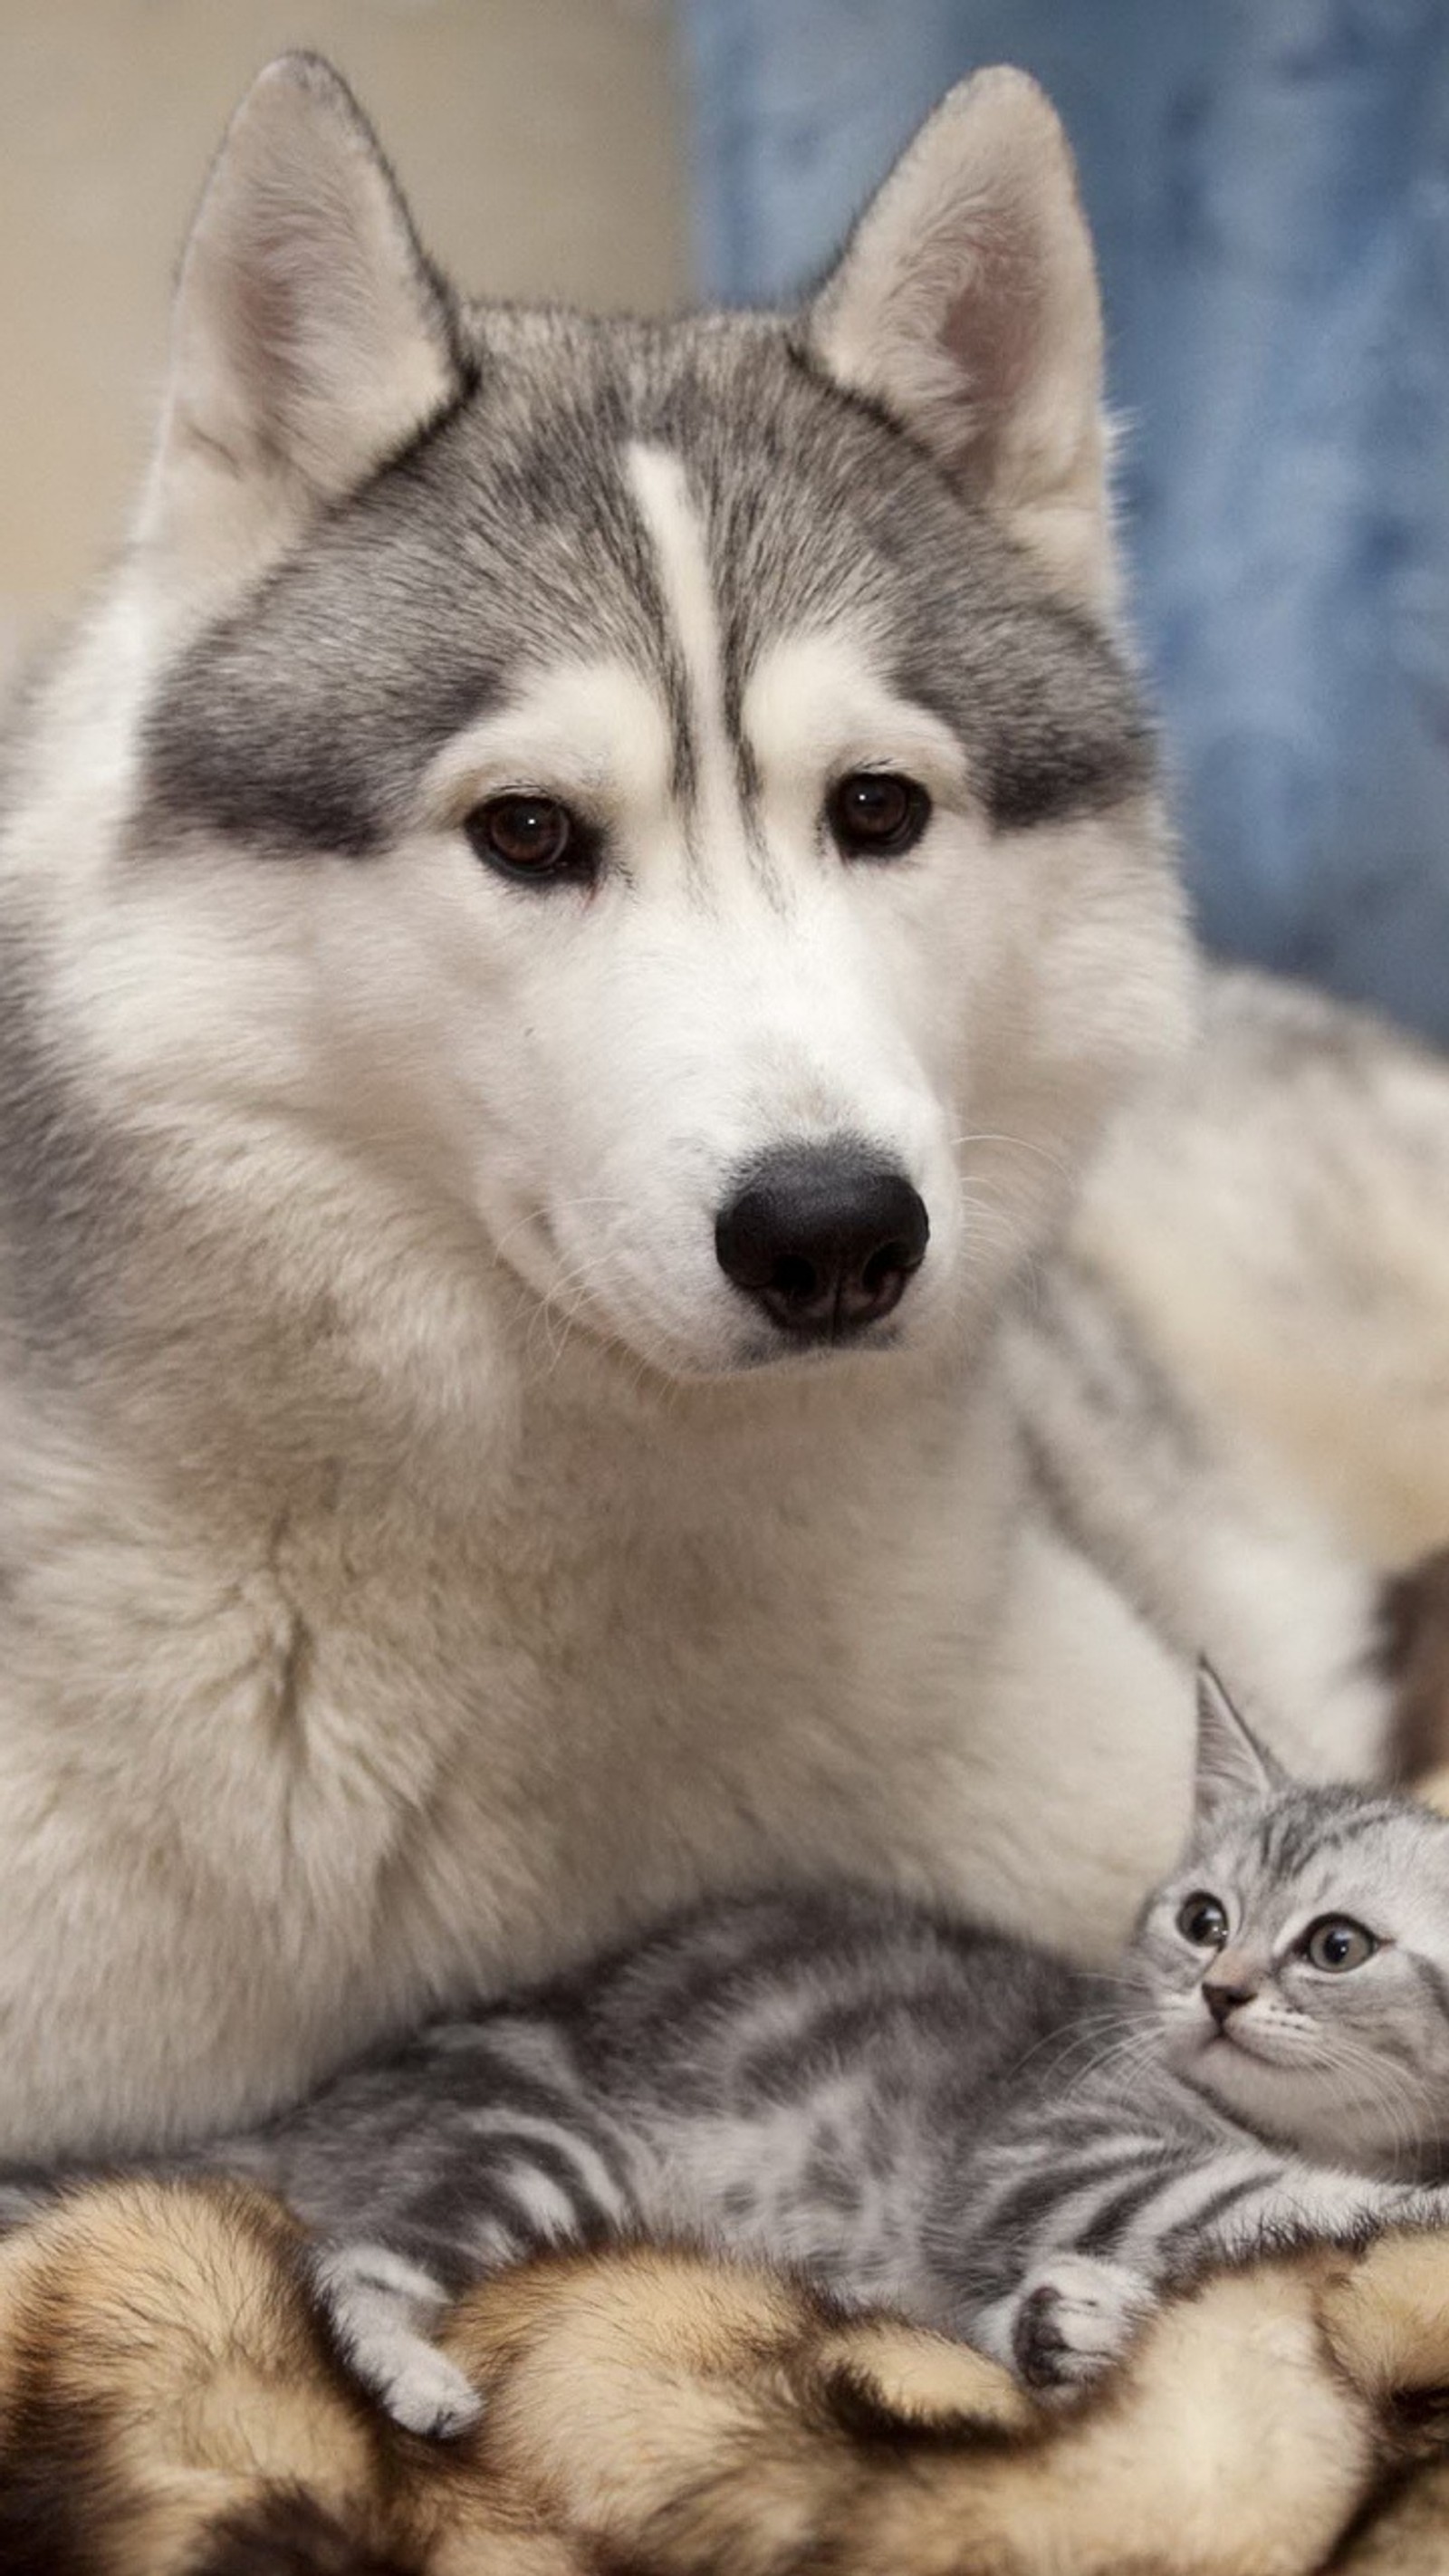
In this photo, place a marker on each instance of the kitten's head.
(1297, 1961)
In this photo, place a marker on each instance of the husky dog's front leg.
(380, 2310)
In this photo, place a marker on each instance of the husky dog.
(566, 926)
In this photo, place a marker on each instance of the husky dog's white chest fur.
(563, 935)
(293, 1779)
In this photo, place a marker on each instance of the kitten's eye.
(1202, 1921)
(1336, 1943)
(532, 838)
(875, 814)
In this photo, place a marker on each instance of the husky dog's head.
(665, 795)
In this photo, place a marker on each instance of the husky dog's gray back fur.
(423, 1553)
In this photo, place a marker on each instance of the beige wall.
(537, 140)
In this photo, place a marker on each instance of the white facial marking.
(682, 558)
(815, 707)
(591, 730)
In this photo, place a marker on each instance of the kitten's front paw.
(1074, 2317)
(421, 2389)
(379, 2307)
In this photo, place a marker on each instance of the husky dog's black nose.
(824, 1237)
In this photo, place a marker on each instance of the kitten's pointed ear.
(310, 337)
(1233, 1768)
(966, 305)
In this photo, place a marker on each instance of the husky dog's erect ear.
(1233, 1768)
(311, 338)
(966, 305)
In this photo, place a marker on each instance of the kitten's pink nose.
(1223, 1999)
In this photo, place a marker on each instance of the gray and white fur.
(425, 1558)
(919, 2111)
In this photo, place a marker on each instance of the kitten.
(920, 2113)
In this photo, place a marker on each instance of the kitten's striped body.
(916, 2113)
(919, 2112)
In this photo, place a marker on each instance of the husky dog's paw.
(1074, 2317)
(378, 2306)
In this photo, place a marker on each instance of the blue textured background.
(1269, 185)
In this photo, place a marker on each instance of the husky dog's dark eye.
(875, 814)
(1336, 1943)
(531, 837)
(1202, 1921)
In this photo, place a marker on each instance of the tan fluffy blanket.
(169, 2408)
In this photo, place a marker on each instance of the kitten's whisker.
(1072, 2039)
(1134, 2054)
(1403, 2097)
